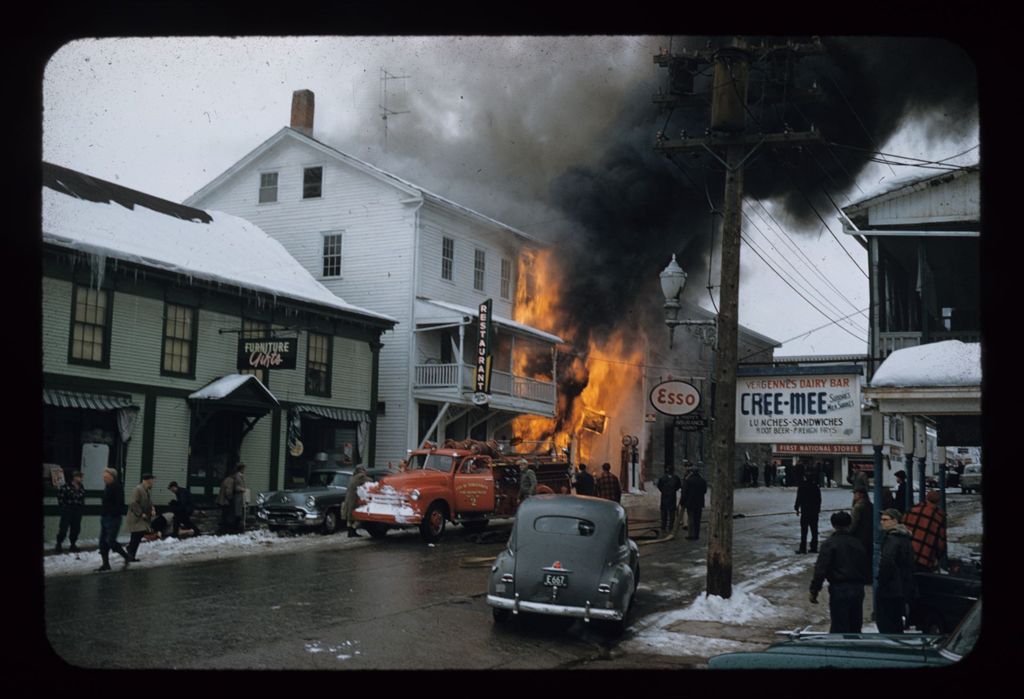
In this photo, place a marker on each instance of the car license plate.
(553, 580)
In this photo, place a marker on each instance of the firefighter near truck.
(468, 482)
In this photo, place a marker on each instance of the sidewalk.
(770, 582)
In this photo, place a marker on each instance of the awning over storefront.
(240, 390)
(360, 417)
(434, 312)
(340, 414)
(85, 401)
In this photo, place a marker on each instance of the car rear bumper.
(586, 613)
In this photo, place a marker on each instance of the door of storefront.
(215, 448)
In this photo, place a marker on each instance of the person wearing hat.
(140, 513)
(182, 507)
(862, 525)
(841, 562)
(348, 509)
(71, 505)
(896, 588)
(900, 499)
(926, 523)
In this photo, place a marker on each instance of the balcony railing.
(503, 383)
(889, 342)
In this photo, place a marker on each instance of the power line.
(812, 305)
(812, 330)
(825, 301)
(796, 248)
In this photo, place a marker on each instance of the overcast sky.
(488, 122)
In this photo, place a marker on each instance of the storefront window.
(318, 365)
(79, 440)
(253, 329)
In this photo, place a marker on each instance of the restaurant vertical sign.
(484, 346)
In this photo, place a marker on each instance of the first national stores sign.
(267, 353)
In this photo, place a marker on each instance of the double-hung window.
(506, 278)
(312, 182)
(318, 365)
(90, 327)
(447, 258)
(268, 187)
(179, 346)
(332, 254)
(252, 330)
(479, 267)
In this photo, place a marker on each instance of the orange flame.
(610, 369)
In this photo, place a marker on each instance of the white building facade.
(391, 246)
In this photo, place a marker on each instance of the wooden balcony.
(890, 342)
(508, 391)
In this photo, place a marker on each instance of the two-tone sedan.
(317, 505)
(568, 556)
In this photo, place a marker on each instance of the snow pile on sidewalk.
(201, 548)
(656, 636)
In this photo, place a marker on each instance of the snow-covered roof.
(226, 385)
(890, 188)
(359, 164)
(945, 364)
(223, 248)
(432, 311)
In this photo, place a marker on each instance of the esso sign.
(675, 398)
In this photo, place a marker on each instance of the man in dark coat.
(896, 588)
(71, 504)
(111, 509)
(808, 507)
(692, 499)
(863, 525)
(769, 474)
(900, 499)
(669, 485)
(182, 507)
(584, 482)
(841, 562)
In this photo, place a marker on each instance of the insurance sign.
(799, 408)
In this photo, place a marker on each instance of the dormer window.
(312, 182)
(268, 187)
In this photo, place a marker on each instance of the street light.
(673, 279)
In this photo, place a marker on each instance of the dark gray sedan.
(317, 505)
(569, 556)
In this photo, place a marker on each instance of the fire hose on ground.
(642, 525)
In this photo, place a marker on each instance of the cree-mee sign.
(675, 398)
(800, 407)
(267, 353)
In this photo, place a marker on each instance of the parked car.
(944, 598)
(314, 505)
(570, 556)
(806, 650)
(970, 479)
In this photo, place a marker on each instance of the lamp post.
(673, 279)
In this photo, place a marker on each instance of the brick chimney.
(302, 111)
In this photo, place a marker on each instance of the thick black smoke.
(635, 207)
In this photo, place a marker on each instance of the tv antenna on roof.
(385, 110)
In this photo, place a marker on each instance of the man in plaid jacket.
(608, 485)
(927, 526)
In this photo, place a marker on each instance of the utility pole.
(728, 134)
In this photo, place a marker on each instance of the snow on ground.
(201, 548)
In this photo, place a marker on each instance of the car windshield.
(431, 462)
(322, 479)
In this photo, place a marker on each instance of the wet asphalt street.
(400, 604)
